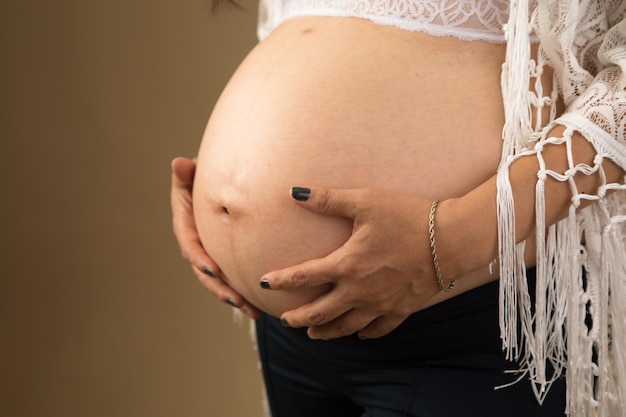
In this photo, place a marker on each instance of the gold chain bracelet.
(433, 247)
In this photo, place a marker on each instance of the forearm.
(469, 225)
(558, 193)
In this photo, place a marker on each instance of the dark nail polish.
(301, 193)
(231, 303)
(208, 272)
(284, 323)
(265, 284)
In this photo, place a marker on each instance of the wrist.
(445, 286)
(466, 232)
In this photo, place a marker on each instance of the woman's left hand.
(380, 276)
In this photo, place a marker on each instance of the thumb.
(183, 170)
(332, 202)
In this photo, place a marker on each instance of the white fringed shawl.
(585, 43)
(578, 323)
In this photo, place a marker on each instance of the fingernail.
(301, 193)
(231, 302)
(284, 322)
(265, 284)
(208, 272)
(362, 337)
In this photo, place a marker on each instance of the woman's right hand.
(207, 271)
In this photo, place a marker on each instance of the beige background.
(99, 315)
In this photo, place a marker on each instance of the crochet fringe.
(578, 321)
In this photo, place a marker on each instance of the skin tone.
(370, 126)
(384, 272)
(184, 225)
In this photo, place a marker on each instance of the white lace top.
(467, 19)
(584, 42)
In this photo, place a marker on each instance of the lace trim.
(466, 20)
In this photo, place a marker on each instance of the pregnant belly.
(341, 103)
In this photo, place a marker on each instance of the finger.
(226, 294)
(345, 325)
(320, 311)
(332, 202)
(192, 250)
(183, 221)
(380, 327)
(313, 273)
(183, 171)
(218, 287)
(250, 311)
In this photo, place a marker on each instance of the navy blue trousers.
(444, 361)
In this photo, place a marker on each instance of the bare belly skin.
(341, 103)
